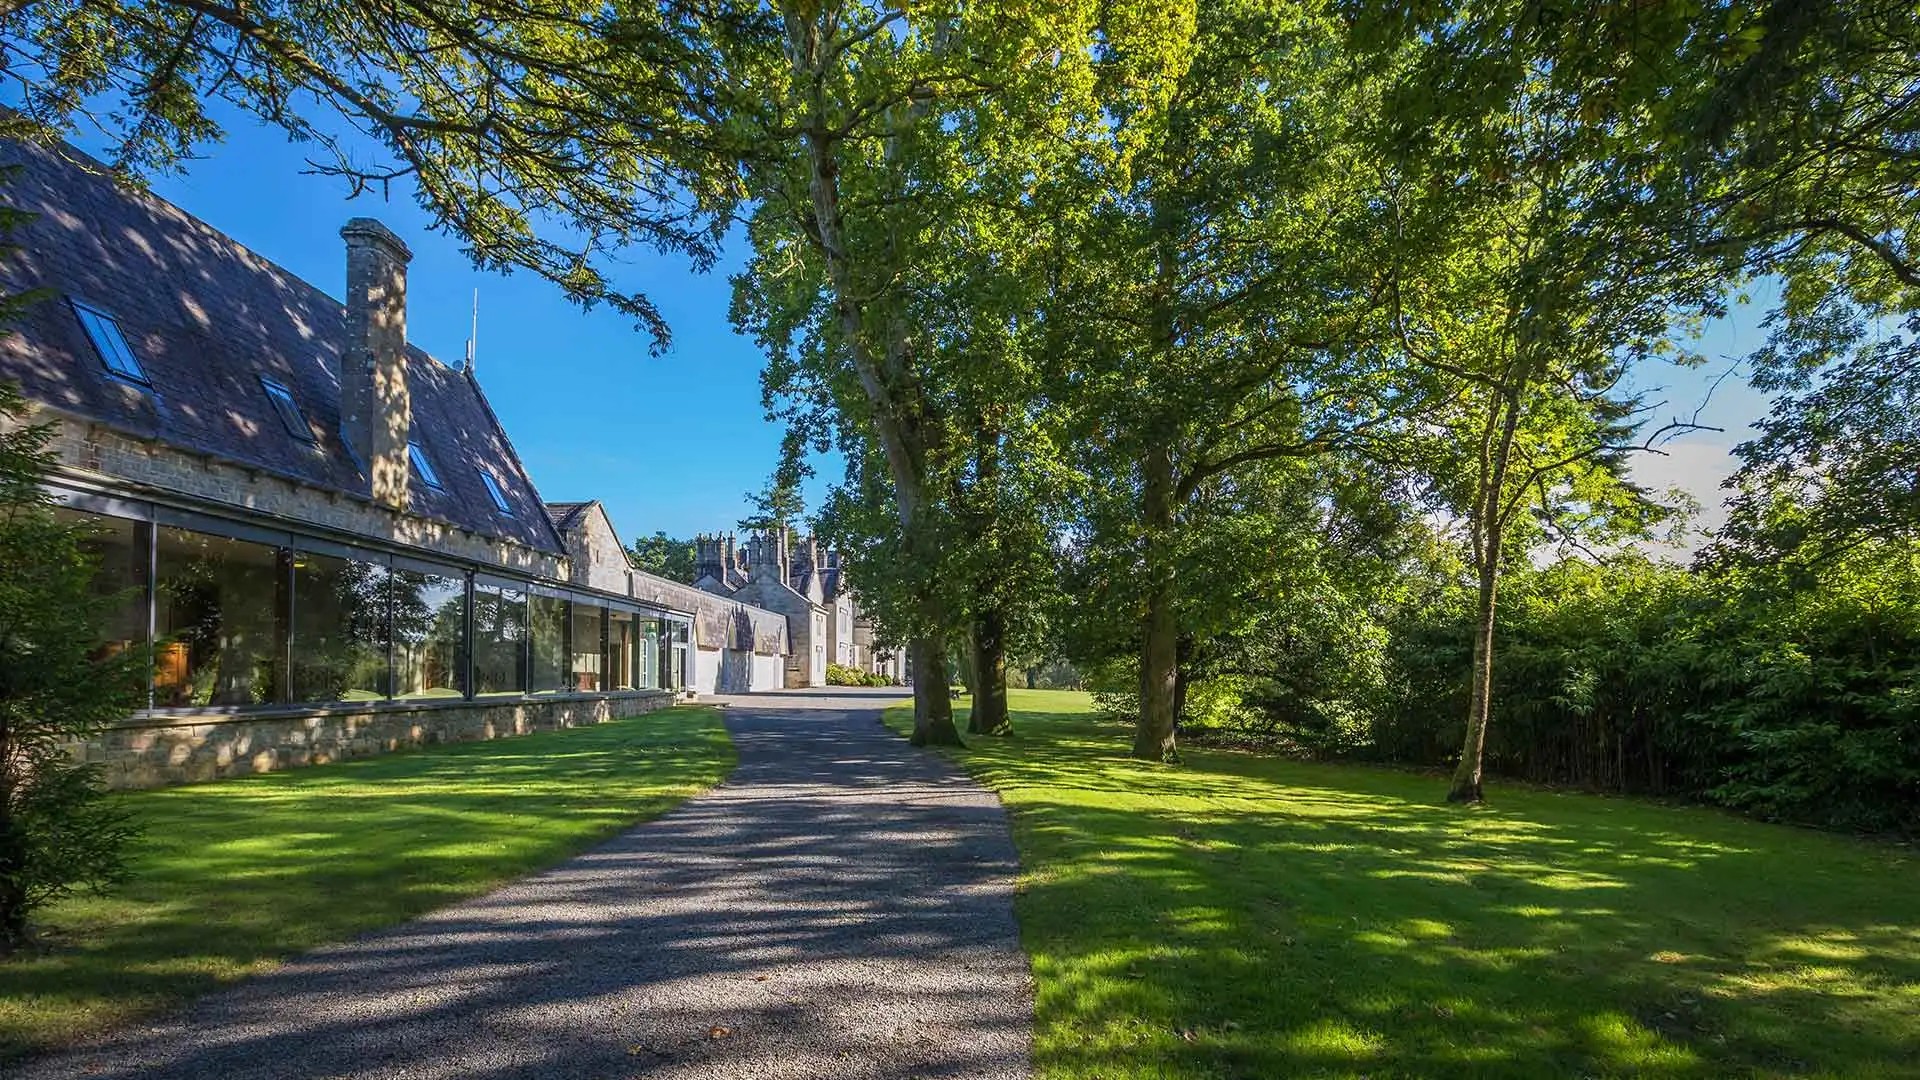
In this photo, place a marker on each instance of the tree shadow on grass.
(231, 875)
(1252, 917)
(842, 907)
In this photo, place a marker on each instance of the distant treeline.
(1787, 691)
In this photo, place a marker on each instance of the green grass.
(1243, 916)
(231, 876)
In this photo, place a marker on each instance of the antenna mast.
(473, 335)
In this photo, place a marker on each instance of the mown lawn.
(1242, 916)
(231, 876)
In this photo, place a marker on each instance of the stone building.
(735, 646)
(328, 544)
(804, 582)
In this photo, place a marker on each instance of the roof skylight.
(288, 409)
(110, 343)
(493, 491)
(422, 466)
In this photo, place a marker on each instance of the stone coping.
(236, 714)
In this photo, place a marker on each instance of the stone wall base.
(155, 750)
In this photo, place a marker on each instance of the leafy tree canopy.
(663, 555)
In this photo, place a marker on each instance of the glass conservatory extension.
(242, 616)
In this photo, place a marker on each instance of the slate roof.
(565, 515)
(207, 318)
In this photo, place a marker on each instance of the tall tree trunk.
(1466, 777)
(878, 341)
(932, 694)
(1488, 528)
(1153, 739)
(987, 624)
(13, 849)
(989, 716)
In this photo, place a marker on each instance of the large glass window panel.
(650, 655)
(215, 605)
(118, 548)
(589, 620)
(499, 638)
(429, 634)
(622, 641)
(552, 661)
(339, 642)
(677, 673)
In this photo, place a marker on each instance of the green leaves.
(546, 137)
(57, 686)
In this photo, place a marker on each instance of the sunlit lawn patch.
(1242, 916)
(234, 875)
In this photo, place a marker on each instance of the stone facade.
(762, 574)
(92, 455)
(733, 638)
(152, 751)
(803, 581)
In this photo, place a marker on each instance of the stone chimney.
(754, 555)
(376, 413)
(706, 556)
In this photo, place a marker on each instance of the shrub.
(58, 686)
(843, 675)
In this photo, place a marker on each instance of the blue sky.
(1715, 395)
(675, 442)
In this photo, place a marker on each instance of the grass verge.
(232, 876)
(1245, 916)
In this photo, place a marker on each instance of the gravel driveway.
(841, 907)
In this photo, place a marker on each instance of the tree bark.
(878, 341)
(1153, 739)
(990, 715)
(13, 850)
(932, 695)
(1488, 530)
(1466, 777)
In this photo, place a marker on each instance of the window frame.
(495, 492)
(423, 466)
(280, 395)
(290, 634)
(89, 316)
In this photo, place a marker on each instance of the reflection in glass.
(429, 626)
(650, 655)
(676, 674)
(621, 642)
(239, 623)
(339, 629)
(551, 661)
(118, 548)
(214, 609)
(588, 622)
(499, 639)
